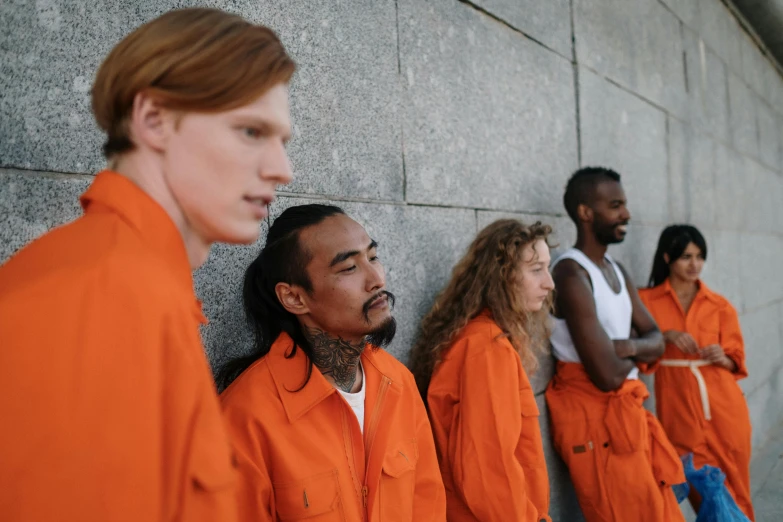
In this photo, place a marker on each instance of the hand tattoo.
(335, 357)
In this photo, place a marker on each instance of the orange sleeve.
(731, 339)
(254, 489)
(429, 503)
(487, 474)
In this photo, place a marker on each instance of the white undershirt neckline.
(356, 400)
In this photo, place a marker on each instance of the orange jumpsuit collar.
(115, 193)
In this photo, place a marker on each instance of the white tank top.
(614, 310)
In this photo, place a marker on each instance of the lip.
(259, 205)
(622, 229)
(379, 303)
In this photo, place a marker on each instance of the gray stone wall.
(426, 120)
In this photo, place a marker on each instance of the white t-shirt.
(356, 400)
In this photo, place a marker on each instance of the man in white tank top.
(620, 461)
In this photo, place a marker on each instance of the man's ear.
(151, 124)
(584, 212)
(666, 258)
(292, 298)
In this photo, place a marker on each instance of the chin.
(245, 235)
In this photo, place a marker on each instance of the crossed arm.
(606, 361)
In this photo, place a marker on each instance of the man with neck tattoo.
(326, 425)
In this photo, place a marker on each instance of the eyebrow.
(342, 256)
(266, 127)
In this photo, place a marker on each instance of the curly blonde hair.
(485, 279)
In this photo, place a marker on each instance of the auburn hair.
(486, 279)
(195, 59)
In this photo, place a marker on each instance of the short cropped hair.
(579, 190)
(195, 59)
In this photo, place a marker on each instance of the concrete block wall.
(428, 119)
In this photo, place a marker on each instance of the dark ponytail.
(282, 260)
(673, 242)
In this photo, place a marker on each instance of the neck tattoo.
(335, 357)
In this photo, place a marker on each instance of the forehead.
(608, 190)
(692, 248)
(334, 235)
(271, 108)
(537, 251)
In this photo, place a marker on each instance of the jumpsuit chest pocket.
(398, 482)
(314, 499)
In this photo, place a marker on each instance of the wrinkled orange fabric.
(723, 441)
(301, 453)
(621, 463)
(109, 409)
(485, 419)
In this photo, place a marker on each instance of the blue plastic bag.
(717, 504)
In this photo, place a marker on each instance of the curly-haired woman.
(475, 347)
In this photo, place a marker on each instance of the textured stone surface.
(721, 31)
(548, 22)
(754, 64)
(345, 96)
(767, 472)
(733, 177)
(636, 43)
(489, 133)
(780, 138)
(627, 134)
(685, 10)
(724, 263)
(32, 203)
(418, 247)
(763, 194)
(762, 340)
(707, 106)
(692, 167)
(767, 120)
(742, 107)
(765, 407)
(760, 273)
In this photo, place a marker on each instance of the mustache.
(369, 303)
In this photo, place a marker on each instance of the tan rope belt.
(694, 366)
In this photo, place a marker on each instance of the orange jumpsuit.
(621, 463)
(485, 419)
(723, 440)
(109, 410)
(302, 456)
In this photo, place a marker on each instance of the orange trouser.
(621, 463)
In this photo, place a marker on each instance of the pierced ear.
(291, 297)
(666, 258)
(584, 212)
(151, 123)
